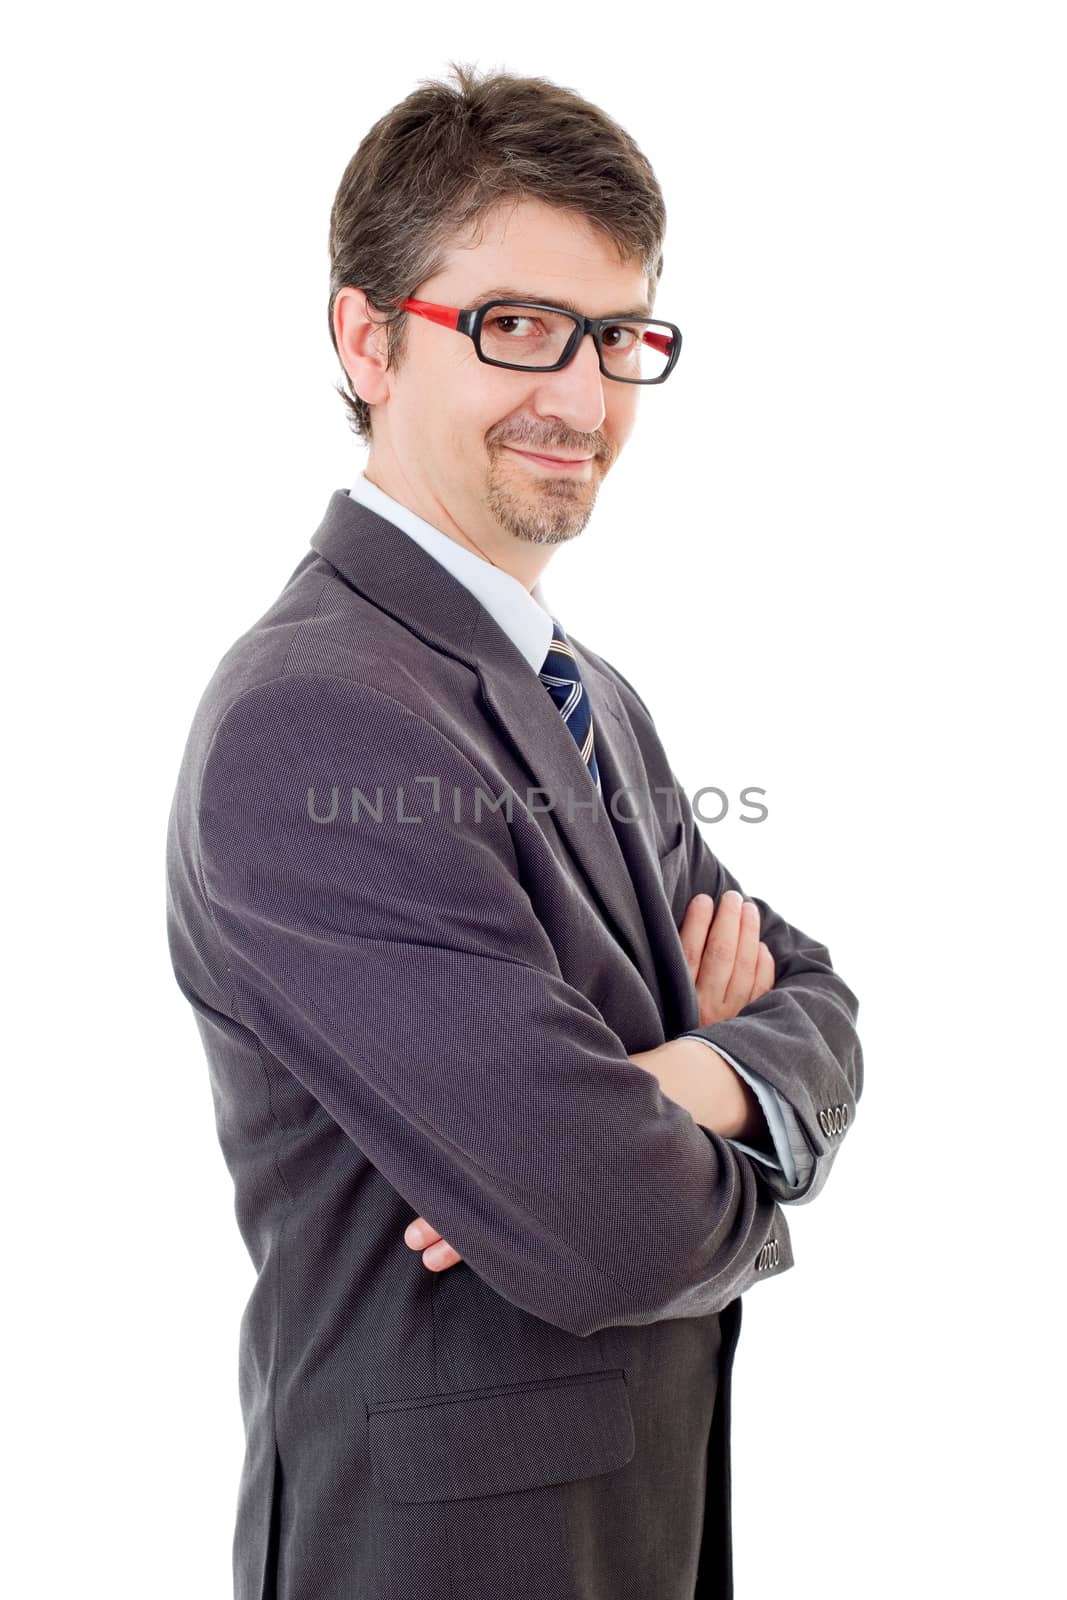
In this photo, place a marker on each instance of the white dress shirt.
(525, 618)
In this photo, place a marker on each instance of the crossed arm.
(730, 967)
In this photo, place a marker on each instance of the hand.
(437, 1253)
(729, 963)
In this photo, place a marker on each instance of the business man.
(468, 978)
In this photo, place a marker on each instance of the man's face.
(452, 429)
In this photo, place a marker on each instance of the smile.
(552, 462)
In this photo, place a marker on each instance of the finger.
(440, 1255)
(764, 973)
(743, 975)
(720, 948)
(694, 930)
(420, 1233)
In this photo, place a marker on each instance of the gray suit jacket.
(419, 951)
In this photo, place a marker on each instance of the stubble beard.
(548, 511)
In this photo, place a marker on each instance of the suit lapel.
(396, 574)
(529, 719)
(622, 768)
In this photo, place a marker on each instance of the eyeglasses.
(529, 337)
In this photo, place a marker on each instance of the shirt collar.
(521, 614)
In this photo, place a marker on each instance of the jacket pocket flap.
(493, 1441)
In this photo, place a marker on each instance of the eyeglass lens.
(533, 338)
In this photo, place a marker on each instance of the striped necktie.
(562, 679)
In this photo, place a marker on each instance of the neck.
(490, 543)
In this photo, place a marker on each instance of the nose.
(575, 394)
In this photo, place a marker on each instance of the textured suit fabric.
(434, 1017)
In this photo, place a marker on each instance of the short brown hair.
(429, 168)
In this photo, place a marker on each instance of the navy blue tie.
(562, 679)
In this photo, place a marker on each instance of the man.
(467, 976)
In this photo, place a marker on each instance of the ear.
(361, 341)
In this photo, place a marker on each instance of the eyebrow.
(564, 305)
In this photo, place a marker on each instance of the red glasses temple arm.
(447, 316)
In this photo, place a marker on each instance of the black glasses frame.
(470, 322)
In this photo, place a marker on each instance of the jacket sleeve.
(398, 969)
(801, 1036)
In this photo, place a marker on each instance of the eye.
(618, 337)
(497, 322)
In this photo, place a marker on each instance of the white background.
(829, 558)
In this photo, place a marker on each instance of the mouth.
(571, 464)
